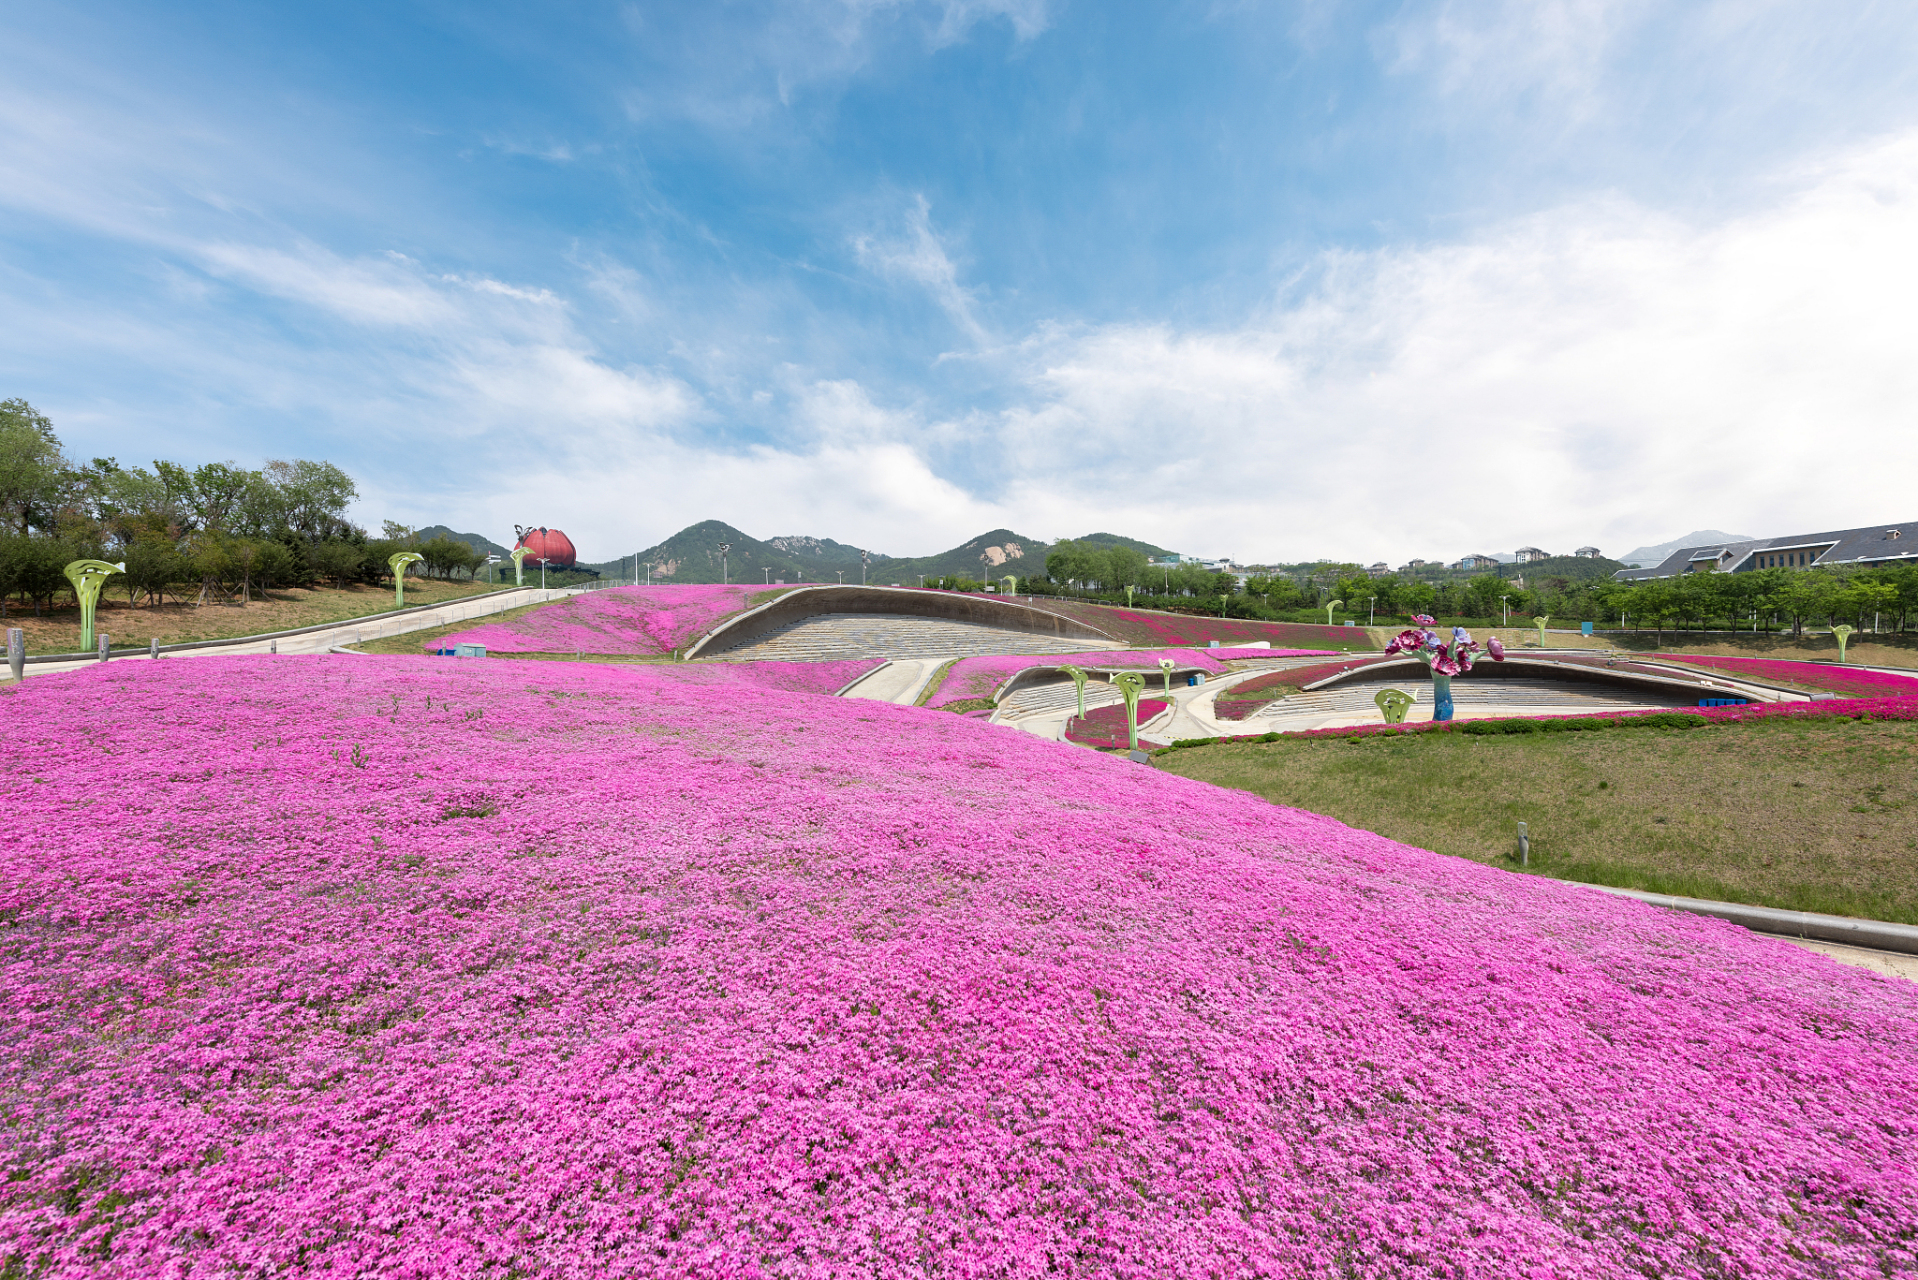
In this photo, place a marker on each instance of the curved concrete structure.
(1665, 681)
(947, 606)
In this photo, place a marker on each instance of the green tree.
(33, 471)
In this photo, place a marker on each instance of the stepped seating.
(836, 636)
(1052, 699)
(1515, 695)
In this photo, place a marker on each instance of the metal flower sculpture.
(1445, 660)
(1079, 682)
(1165, 665)
(519, 565)
(1131, 685)
(397, 562)
(87, 577)
(1842, 633)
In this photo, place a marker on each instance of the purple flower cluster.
(1105, 727)
(1445, 659)
(419, 968)
(970, 678)
(617, 620)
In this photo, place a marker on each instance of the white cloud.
(1598, 373)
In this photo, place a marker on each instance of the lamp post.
(724, 547)
(1504, 613)
(542, 573)
(769, 576)
(865, 558)
(922, 582)
(1371, 610)
(842, 577)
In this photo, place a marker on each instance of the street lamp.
(1370, 604)
(542, 573)
(842, 577)
(724, 547)
(865, 558)
(1505, 614)
(769, 576)
(922, 582)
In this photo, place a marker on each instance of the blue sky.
(1270, 280)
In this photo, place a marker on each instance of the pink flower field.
(1815, 675)
(415, 967)
(618, 620)
(971, 678)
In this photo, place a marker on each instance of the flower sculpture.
(1446, 660)
(398, 562)
(87, 577)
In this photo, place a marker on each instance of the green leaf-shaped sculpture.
(1842, 633)
(397, 562)
(1079, 681)
(1131, 684)
(1393, 704)
(87, 577)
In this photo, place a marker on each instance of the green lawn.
(1811, 816)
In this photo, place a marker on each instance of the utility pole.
(724, 547)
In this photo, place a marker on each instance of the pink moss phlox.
(616, 620)
(429, 968)
(1105, 727)
(1816, 675)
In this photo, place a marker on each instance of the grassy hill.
(1115, 540)
(992, 554)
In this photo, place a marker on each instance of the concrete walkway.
(345, 634)
(900, 681)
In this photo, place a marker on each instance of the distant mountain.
(479, 543)
(1645, 557)
(692, 555)
(992, 555)
(1114, 540)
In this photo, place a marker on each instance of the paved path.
(348, 633)
(900, 681)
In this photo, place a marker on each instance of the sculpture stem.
(1441, 696)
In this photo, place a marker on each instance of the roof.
(1871, 544)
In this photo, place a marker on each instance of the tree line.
(216, 532)
(1768, 599)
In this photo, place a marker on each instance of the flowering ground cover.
(793, 677)
(1810, 675)
(972, 678)
(397, 967)
(1105, 727)
(618, 620)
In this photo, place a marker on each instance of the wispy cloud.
(919, 257)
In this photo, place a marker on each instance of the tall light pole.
(865, 558)
(769, 576)
(922, 582)
(842, 577)
(542, 573)
(724, 547)
(1371, 603)
(1504, 614)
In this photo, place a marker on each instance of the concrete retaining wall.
(947, 606)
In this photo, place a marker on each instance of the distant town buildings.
(1872, 545)
(1476, 562)
(1528, 554)
(1587, 553)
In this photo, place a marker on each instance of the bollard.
(153, 647)
(17, 652)
(103, 646)
(273, 646)
(1524, 846)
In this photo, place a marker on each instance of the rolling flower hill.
(394, 966)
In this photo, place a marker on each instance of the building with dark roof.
(1872, 545)
(1528, 554)
(1477, 562)
(1587, 553)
